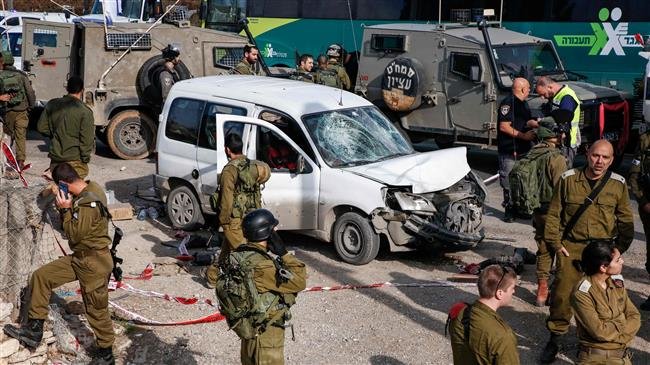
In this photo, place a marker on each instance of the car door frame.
(291, 218)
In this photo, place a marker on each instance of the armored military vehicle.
(120, 64)
(446, 81)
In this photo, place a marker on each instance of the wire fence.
(27, 237)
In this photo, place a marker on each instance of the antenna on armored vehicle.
(65, 8)
(101, 85)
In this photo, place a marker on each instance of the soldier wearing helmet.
(286, 277)
(334, 74)
(168, 76)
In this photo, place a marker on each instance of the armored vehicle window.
(387, 43)
(45, 38)
(183, 120)
(208, 134)
(226, 57)
(13, 21)
(461, 64)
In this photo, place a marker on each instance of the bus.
(598, 40)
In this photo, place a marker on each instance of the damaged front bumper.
(450, 219)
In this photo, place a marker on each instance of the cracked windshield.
(356, 136)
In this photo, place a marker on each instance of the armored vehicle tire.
(354, 239)
(149, 90)
(183, 208)
(131, 135)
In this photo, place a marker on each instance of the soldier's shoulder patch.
(568, 173)
(505, 109)
(636, 162)
(618, 280)
(584, 286)
(618, 178)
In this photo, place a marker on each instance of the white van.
(347, 175)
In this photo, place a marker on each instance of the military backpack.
(529, 185)
(329, 77)
(12, 83)
(248, 196)
(249, 312)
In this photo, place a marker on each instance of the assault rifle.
(117, 271)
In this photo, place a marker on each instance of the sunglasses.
(505, 270)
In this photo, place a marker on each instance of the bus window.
(274, 9)
(383, 9)
(332, 9)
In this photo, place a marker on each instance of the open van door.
(46, 56)
(291, 194)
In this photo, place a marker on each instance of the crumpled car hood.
(424, 172)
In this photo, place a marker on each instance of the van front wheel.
(354, 239)
(183, 208)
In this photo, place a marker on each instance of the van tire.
(354, 239)
(183, 208)
(131, 135)
(149, 90)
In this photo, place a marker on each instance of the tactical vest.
(575, 139)
(247, 195)
(329, 76)
(12, 84)
(247, 311)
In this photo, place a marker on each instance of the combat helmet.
(258, 225)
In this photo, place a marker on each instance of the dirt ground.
(388, 325)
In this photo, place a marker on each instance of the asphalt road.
(387, 325)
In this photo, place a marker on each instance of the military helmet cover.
(7, 58)
(334, 50)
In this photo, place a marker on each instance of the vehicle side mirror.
(40, 52)
(475, 74)
(301, 166)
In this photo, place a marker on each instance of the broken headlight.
(414, 202)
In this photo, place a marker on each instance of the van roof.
(289, 96)
(498, 36)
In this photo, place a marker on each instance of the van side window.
(275, 151)
(289, 127)
(183, 120)
(208, 134)
(461, 64)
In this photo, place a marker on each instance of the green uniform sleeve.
(635, 170)
(552, 234)
(242, 69)
(29, 92)
(587, 316)
(625, 221)
(556, 167)
(227, 192)
(80, 227)
(345, 79)
(43, 125)
(506, 351)
(86, 136)
(265, 276)
(632, 320)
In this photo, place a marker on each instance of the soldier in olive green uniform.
(640, 185)
(303, 71)
(334, 67)
(70, 125)
(607, 319)
(234, 202)
(481, 336)
(85, 223)
(555, 165)
(22, 99)
(249, 65)
(608, 217)
(268, 347)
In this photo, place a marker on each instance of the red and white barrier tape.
(428, 284)
(138, 319)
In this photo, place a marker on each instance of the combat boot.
(103, 356)
(551, 349)
(542, 292)
(29, 335)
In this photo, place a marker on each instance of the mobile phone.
(64, 188)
